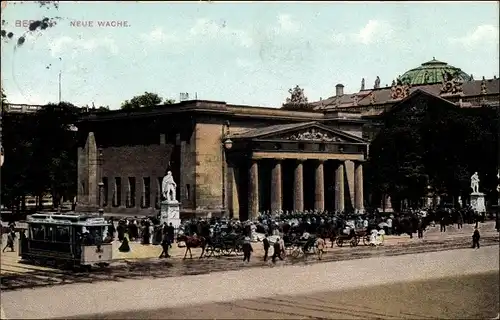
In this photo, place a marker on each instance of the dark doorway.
(309, 179)
(329, 169)
(287, 172)
(265, 172)
(241, 178)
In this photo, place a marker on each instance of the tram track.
(154, 268)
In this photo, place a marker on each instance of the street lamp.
(101, 198)
(101, 185)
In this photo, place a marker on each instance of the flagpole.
(60, 71)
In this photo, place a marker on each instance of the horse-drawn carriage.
(225, 245)
(300, 246)
(354, 237)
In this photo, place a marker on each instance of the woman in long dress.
(124, 246)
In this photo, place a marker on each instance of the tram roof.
(67, 219)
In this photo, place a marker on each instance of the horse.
(193, 242)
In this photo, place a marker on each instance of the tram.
(69, 240)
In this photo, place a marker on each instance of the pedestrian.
(266, 244)
(277, 250)
(460, 221)
(10, 241)
(442, 223)
(420, 228)
(320, 245)
(247, 249)
(171, 233)
(165, 244)
(475, 238)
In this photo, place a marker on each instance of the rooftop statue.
(362, 84)
(377, 83)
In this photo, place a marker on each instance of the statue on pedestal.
(168, 186)
(474, 183)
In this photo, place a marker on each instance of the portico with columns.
(295, 167)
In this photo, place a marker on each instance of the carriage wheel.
(217, 251)
(354, 242)
(296, 252)
(339, 242)
(209, 251)
(238, 250)
(225, 250)
(366, 240)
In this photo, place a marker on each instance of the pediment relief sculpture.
(314, 135)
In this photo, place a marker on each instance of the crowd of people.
(280, 225)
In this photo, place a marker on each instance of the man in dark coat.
(277, 250)
(170, 233)
(165, 244)
(266, 244)
(475, 239)
(247, 250)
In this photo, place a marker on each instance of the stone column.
(339, 187)
(349, 175)
(298, 189)
(319, 190)
(358, 187)
(276, 187)
(253, 190)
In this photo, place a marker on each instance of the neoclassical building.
(240, 160)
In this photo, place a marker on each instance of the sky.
(240, 53)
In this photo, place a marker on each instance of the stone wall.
(139, 162)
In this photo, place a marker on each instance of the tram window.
(49, 233)
(62, 234)
(37, 232)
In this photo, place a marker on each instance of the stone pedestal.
(477, 202)
(170, 213)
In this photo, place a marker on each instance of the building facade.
(241, 160)
(237, 160)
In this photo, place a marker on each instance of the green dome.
(432, 72)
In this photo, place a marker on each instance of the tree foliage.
(40, 153)
(147, 99)
(429, 142)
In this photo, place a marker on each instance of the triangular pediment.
(306, 132)
(412, 103)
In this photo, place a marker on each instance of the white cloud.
(484, 34)
(244, 63)
(339, 38)
(286, 23)
(374, 31)
(210, 29)
(65, 43)
(157, 36)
